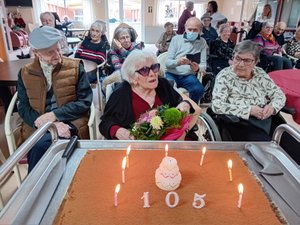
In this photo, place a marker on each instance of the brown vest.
(65, 78)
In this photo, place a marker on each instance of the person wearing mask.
(186, 14)
(186, 57)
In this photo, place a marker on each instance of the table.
(73, 41)
(289, 82)
(9, 71)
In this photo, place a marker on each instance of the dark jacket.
(209, 35)
(118, 110)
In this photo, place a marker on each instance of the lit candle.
(229, 169)
(203, 154)
(241, 190)
(146, 199)
(116, 195)
(123, 169)
(127, 155)
(166, 150)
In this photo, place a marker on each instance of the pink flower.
(152, 113)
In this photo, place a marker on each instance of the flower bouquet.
(162, 123)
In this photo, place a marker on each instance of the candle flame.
(203, 150)
(241, 188)
(128, 150)
(117, 188)
(124, 163)
(229, 164)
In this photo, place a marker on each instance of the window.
(290, 13)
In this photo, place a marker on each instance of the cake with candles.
(167, 175)
(90, 197)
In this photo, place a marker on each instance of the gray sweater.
(180, 47)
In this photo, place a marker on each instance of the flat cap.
(206, 15)
(44, 37)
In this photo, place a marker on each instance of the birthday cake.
(90, 197)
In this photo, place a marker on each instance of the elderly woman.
(222, 49)
(293, 47)
(246, 91)
(270, 49)
(165, 38)
(140, 91)
(93, 47)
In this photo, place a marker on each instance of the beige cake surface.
(90, 197)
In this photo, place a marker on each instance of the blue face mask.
(191, 36)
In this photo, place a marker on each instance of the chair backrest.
(162, 58)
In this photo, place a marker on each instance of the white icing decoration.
(176, 199)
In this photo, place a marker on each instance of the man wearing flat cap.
(208, 32)
(52, 88)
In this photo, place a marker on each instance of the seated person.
(208, 32)
(270, 49)
(18, 20)
(183, 70)
(278, 32)
(48, 19)
(165, 38)
(246, 91)
(52, 89)
(140, 91)
(121, 47)
(93, 48)
(293, 47)
(222, 48)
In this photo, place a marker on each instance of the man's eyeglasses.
(246, 61)
(144, 71)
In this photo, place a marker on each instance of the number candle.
(146, 199)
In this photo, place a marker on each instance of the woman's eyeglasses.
(246, 61)
(144, 71)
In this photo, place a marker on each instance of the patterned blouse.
(224, 50)
(235, 96)
(293, 47)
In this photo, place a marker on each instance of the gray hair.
(121, 30)
(103, 25)
(132, 62)
(47, 14)
(189, 5)
(97, 25)
(266, 23)
(247, 46)
(223, 27)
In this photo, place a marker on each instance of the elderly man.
(186, 56)
(52, 89)
(278, 32)
(208, 32)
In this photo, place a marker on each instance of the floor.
(9, 187)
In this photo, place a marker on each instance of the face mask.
(191, 36)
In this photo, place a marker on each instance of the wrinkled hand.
(63, 129)
(194, 66)
(268, 111)
(117, 44)
(257, 112)
(47, 117)
(183, 61)
(183, 107)
(123, 134)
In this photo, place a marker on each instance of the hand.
(123, 134)
(183, 61)
(268, 111)
(183, 107)
(63, 129)
(257, 112)
(194, 66)
(117, 44)
(47, 117)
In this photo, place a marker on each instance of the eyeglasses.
(144, 71)
(246, 61)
